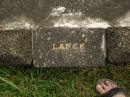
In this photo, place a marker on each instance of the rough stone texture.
(37, 12)
(61, 47)
(15, 47)
(118, 45)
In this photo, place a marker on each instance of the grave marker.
(69, 47)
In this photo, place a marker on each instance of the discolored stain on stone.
(15, 47)
(68, 47)
(38, 13)
(118, 44)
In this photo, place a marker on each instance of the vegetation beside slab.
(59, 82)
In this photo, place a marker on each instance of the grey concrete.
(15, 47)
(38, 12)
(69, 47)
(118, 45)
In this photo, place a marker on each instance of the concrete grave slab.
(118, 44)
(32, 14)
(15, 47)
(69, 47)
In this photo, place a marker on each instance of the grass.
(58, 82)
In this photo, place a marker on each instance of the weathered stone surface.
(48, 12)
(15, 47)
(37, 14)
(118, 45)
(69, 47)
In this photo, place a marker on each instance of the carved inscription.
(65, 46)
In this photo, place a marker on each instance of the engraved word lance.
(64, 46)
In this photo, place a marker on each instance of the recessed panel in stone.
(118, 44)
(69, 47)
(15, 47)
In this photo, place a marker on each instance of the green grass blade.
(10, 83)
